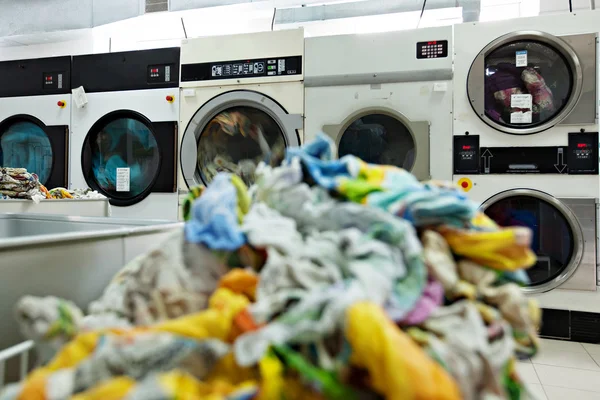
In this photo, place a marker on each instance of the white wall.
(166, 30)
(52, 44)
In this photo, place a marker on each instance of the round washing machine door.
(525, 82)
(557, 234)
(233, 132)
(125, 156)
(383, 136)
(26, 142)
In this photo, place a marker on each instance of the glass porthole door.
(125, 156)
(525, 82)
(25, 142)
(233, 133)
(557, 234)
(381, 136)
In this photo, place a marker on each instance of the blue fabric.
(401, 193)
(519, 276)
(316, 158)
(125, 143)
(214, 220)
(26, 145)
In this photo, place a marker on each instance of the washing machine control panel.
(160, 73)
(582, 153)
(432, 49)
(53, 80)
(466, 154)
(262, 67)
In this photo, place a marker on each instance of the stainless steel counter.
(28, 229)
(69, 257)
(78, 207)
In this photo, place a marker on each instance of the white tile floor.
(564, 370)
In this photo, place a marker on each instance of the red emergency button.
(170, 99)
(61, 104)
(465, 184)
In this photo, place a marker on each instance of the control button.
(272, 73)
(170, 99)
(61, 103)
(271, 61)
(465, 184)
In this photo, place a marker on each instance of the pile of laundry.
(17, 183)
(327, 279)
(60, 193)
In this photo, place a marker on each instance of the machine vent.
(156, 6)
(585, 327)
(575, 326)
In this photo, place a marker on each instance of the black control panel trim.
(130, 70)
(582, 153)
(466, 154)
(35, 77)
(524, 160)
(248, 68)
(580, 157)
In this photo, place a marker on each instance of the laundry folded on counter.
(327, 279)
(17, 183)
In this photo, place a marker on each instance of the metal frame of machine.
(499, 160)
(405, 75)
(38, 91)
(137, 87)
(212, 83)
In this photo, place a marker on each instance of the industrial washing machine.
(242, 102)
(124, 141)
(526, 147)
(386, 97)
(35, 103)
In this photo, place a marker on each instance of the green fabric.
(327, 382)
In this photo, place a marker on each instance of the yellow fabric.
(180, 385)
(227, 369)
(499, 250)
(70, 355)
(243, 198)
(186, 387)
(370, 178)
(113, 389)
(399, 369)
(214, 323)
(272, 383)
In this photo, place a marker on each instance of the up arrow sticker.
(487, 156)
(560, 164)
